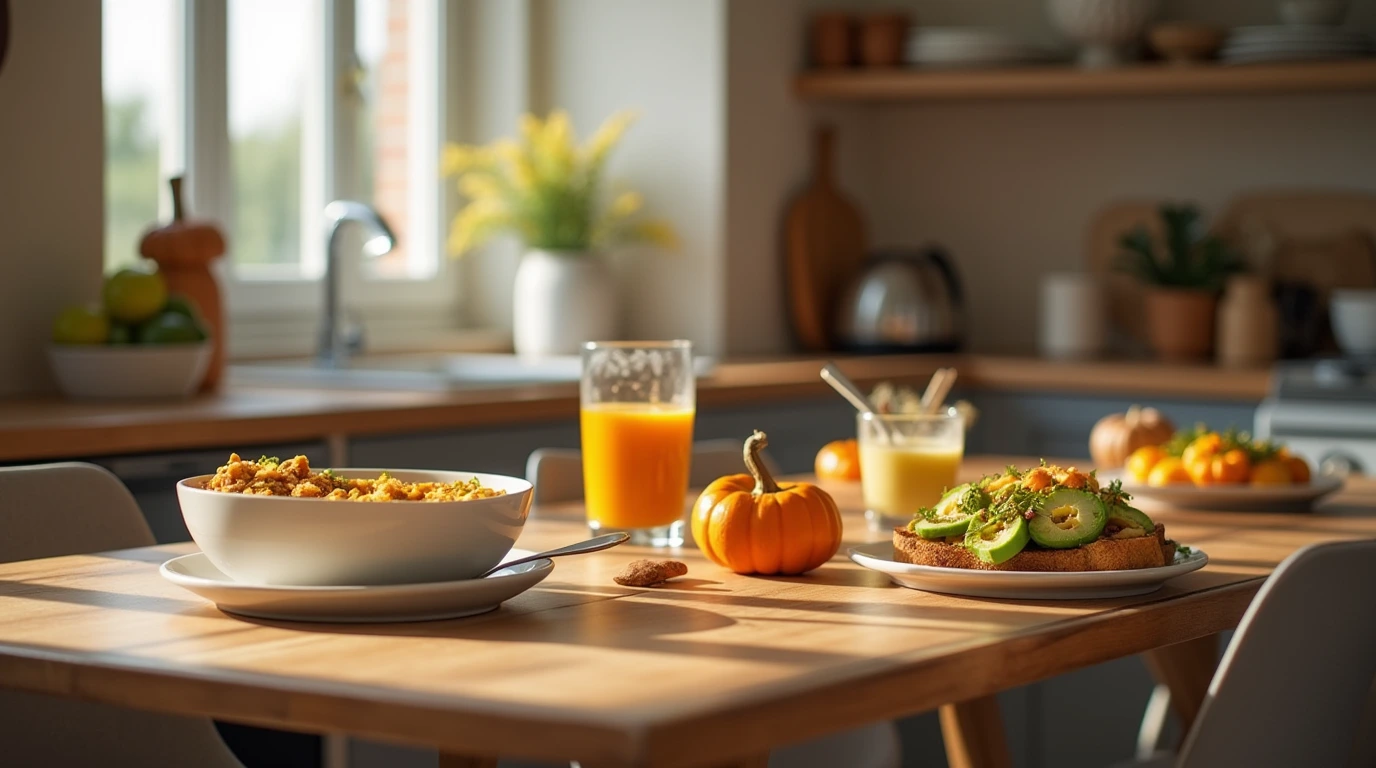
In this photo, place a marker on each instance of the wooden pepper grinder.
(183, 251)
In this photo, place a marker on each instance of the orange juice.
(898, 480)
(635, 463)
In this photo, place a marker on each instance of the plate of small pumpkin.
(1201, 468)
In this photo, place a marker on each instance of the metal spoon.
(605, 541)
(839, 382)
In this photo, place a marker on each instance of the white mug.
(1072, 316)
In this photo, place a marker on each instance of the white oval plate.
(372, 604)
(1232, 498)
(1023, 585)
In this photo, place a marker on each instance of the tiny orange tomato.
(1299, 470)
(1141, 461)
(838, 460)
(1272, 472)
(1168, 471)
(1230, 468)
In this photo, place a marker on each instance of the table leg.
(450, 760)
(973, 732)
(1186, 668)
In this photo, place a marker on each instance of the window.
(137, 53)
(272, 109)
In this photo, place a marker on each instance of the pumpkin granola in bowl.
(269, 476)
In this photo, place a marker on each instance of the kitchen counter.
(51, 428)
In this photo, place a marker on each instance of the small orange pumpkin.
(1116, 436)
(751, 524)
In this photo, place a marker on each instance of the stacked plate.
(970, 47)
(1249, 45)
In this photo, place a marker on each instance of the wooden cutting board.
(824, 247)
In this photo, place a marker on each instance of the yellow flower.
(479, 186)
(458, 158)
(556, 145)
(606, 137)
(515, 156)
(625, 204)
(656, 232)
(477, 222)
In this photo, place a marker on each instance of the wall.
(593, 57)
(1009, 187)
(51, 176)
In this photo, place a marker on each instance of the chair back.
(1293, 683)
(66, 509)
(557, 473)
(70, 509)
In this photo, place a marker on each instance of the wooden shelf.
(1069, 82)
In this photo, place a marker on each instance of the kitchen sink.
(420, 372)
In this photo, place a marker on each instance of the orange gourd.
(751, 524)
(1116, 436)
(183, 251)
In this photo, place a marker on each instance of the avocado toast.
(1044, 519)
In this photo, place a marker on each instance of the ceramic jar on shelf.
(1248, 325)
(1107, 30)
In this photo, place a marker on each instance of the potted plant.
(547, 190)
(1183, 276)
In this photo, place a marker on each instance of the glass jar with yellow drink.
(906, 461)
(637, 407)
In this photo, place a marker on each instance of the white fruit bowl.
(287, 541)
(132, 371)
(1353, 316)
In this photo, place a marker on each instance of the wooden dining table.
(710, 669)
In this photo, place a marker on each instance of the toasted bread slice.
(1101, 555)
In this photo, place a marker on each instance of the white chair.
(557, 474)
(1293, 687)
(67, 509)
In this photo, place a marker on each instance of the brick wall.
(391, 123)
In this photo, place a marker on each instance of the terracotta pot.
(882, 36)
(833, 40)
(1180, 323)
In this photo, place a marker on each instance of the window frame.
(261, 311)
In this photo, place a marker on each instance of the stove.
(1325, 410)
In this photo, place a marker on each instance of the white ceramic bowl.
(101, 371)
(1106, 28)
(1313, 12)
(1353, 316)
(285, 541)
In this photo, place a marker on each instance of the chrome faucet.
(336, 344)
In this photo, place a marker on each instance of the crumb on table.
(645, 573)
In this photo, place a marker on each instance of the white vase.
(560, 300)
(1107, 30)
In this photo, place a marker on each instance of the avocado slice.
(1068, 518)
(951, 516)
(996, 541)
(1128, 521)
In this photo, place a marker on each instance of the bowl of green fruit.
(138, 342)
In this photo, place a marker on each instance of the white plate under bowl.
(1232, 498)
(386, 603)
(1023, 585)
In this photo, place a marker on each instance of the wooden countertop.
(695, 673)
(52, 428)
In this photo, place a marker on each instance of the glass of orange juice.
(638, 401)
(906, 462)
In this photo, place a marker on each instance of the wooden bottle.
(1248, 326)
(183, 251)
